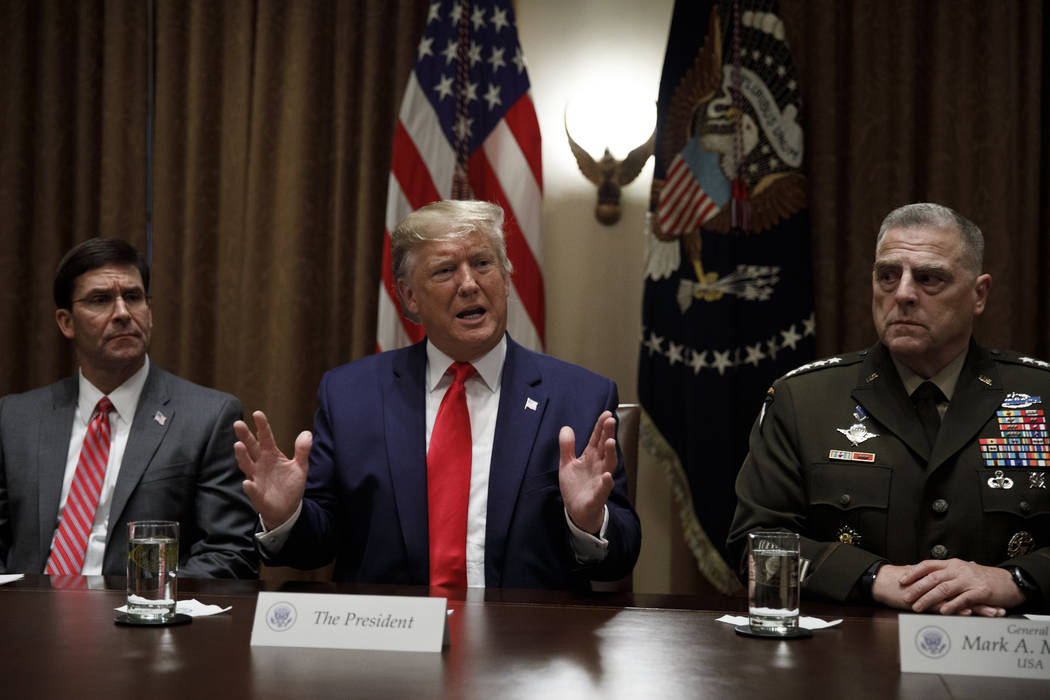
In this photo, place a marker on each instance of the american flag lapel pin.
(530, 404)
(160, 418)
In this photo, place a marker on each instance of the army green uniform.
(839, 456)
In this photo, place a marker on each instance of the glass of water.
(153, 563)
(773, 582)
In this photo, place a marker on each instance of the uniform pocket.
(1021, 499)
(849, 503)
(849, 486)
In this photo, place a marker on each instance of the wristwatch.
(867, 580)
(1028, 588)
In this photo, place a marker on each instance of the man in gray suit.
(168, 448)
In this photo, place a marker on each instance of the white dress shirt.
(125, 399)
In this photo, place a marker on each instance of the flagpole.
(150, 103)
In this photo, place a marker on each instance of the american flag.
(467, 129)
(684, 205)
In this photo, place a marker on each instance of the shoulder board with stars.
(837, 361)
(1017, 358)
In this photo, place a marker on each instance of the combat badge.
(999, 481)
(857, 433)
(1020, 544)
(1037, 480)
(1016, 400)
(847, 535)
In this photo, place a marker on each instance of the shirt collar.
(125, 397)
(489, 366)
(945, 380)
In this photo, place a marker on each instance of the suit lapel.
(404, 425)
(145, 437)
(522, 404)
(52, 453)
(882, 395)
(978, 394)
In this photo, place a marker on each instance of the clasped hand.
(949, 587)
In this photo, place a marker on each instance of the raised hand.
(274, 483)
(586, 481)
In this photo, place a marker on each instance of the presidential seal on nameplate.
(975, 646)
(384, 623)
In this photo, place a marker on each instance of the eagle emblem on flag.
(731, 150)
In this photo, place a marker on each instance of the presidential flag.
(467, 129)
(728, 302)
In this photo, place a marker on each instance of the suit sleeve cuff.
(273, 541)
(588, 548)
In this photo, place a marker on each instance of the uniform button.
(940, 506)
(1025, 507)
(844, 499)
(939, 551)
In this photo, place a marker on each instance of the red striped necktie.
(448, 483)
(67, 552)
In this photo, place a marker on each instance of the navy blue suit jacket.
(366, 493)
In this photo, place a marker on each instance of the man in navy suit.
(356, 490)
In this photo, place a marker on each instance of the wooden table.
(505, 644)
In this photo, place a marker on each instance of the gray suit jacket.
(179, 468)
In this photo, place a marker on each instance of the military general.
(915, 471)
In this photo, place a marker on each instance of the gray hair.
(445, 220)
(937, 216)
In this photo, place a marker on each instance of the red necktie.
(67, 552)
(448, 483)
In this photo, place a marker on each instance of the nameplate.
(975, 646)
(388, 623)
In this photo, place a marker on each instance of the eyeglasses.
(103, 302)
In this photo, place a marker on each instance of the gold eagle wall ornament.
(610, 174)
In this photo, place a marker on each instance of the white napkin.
(809, 623)
(191, 607)
(8, 578)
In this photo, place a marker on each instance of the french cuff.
(273, 541)
(588, 548)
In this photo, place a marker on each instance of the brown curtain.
(943, 101)
(274, 123)
(72, 156)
